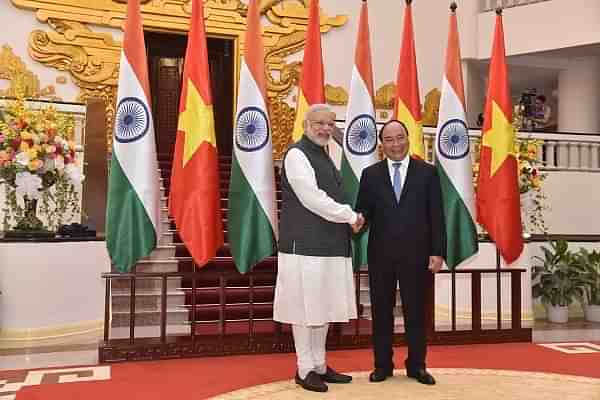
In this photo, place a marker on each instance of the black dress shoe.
(312, 382)
(380, 375)
(331, 376)
(422, 376)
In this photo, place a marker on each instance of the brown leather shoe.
(331, 376)
(380, 375)
(422, 376)
(312, 382)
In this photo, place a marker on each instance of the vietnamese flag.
(407, 104)
(498, 201)
(194, 198)
(311, 89)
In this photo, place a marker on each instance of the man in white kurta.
(315, 283)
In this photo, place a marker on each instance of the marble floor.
(85, 350)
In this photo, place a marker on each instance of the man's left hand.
(435, 263)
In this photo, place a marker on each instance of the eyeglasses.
(323, 124)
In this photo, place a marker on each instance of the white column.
(573, 155)
(562, 154)
(584, 155)
(579, 96)
(550, 158)
(594, 157)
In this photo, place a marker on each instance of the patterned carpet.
(452, 384)
(561, 371)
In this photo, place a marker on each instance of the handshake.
(357, 226)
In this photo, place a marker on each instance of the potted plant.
(588, 263)
(555, 279)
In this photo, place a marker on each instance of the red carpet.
(205, 377)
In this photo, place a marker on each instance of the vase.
(527, 208)
(591, 312)
(29, 226)
(557, 314)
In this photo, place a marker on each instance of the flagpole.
(498, 261)
(453, 7)
(498, 290)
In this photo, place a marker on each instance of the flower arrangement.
(37, 162)
(530, 183)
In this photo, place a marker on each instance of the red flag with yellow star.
(194, 198)
(407, 104)
(310, 90)
(498, 201)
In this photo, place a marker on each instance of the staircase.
(224, 300)
(148, 291)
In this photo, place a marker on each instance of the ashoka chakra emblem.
(361, 135)
(251, 129)
(453, 139)
(132, 121)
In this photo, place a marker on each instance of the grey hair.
(315, 108)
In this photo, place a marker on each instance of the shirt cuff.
(354, 218)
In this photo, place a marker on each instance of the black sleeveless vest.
(300, 230)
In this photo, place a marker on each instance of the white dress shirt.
(311, 290)
(403, 169)
(303, 181)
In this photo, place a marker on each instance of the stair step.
(157, 265)
(145, 284)
(147, 301)
(162, 252)
(147, 318)
(233, 311)
(232, 295)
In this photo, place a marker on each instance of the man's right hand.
(360, 221)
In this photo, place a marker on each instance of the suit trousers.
(383, 280)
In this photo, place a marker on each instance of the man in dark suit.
(400, 199)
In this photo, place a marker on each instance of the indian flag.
(360, 136)
(133, 211)
(252, 219)
(454, 163)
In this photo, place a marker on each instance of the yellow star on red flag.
(197, 122)
(500, 138)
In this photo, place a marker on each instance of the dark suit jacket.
(405, 232)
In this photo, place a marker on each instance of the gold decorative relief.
(92, 58)
(384, 97)
(431, 107)
(336, 95)
(282, 117)
(22, 82)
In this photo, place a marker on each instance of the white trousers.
(310, 348)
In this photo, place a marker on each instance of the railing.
(490, 5)
(556, 151)
(354, 334)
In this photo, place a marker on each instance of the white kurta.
(313, 290)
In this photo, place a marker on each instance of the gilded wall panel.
(92, 58)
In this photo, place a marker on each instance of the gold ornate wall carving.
(21, 81)
(92, 57)
(384, 96)
(431, 108)
(336, 95)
